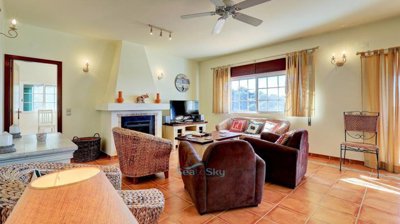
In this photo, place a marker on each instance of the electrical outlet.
(69, 112)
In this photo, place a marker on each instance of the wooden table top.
(214, 136)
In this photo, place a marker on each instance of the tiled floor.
(325, 196)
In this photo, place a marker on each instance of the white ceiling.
(192, 38)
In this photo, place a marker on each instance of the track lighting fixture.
(161, 31)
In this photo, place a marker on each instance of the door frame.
(9, 87)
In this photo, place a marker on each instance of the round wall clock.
(182, 83)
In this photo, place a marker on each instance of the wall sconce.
(338, 63)
(12, 32)
(160, 76)
(86, 67)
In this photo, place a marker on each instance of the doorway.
(33, 94)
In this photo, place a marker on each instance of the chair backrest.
(45, 117)
(361, 121)
(361, 125)
(299, 140)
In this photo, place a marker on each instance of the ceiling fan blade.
(248, 3)
(218, 3)
(247, 19)
(197, 15)
(218, 26)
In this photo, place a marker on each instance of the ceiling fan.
(226, 8)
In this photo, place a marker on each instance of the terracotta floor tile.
(265, 220)
(262, 209)
(316, 187)
(332, 217)
(184, 195)
(383, 205)
(281, 189)
(175, 204)
(272, 196)
(218, 221)
(385, 194)
(190, 215)
(303, 206)
(340, 205)
(286, 216)
(239, 215)
(330, 170)
(324, 178)
(306, 195)
(371, 215)
(346, 184)
(352, 196)
(315, 221)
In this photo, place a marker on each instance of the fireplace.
(144, 123)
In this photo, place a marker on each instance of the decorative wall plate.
(182, 83)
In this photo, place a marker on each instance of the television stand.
(173, 130)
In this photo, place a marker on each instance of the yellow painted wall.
(337, 89)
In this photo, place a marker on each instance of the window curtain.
(221, 90)
(300, 84)
(380, 93)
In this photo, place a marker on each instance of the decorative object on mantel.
(120, 99)
(140, 99)
(12, 32)
(15, 131)
(182, 83)
(88, 148)
(158, 99)
(338, 63)
(41, 137)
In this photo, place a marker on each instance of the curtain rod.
(260, 59)
(371, 51)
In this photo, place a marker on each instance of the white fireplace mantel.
(111, 114)
(132, 106)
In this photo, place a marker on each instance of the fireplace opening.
(145, 124)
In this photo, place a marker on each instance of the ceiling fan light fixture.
(218, 26)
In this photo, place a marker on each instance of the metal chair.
(361, 128)
(45, 120)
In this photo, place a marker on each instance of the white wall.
(337, 89)
(3, 24)
(83, 91)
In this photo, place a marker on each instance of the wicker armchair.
(141, 154)
(145, 205)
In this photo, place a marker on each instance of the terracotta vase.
(157, 100)
(120, 99)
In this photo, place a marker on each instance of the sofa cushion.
(284, 139)
(254, 127)
(270, 126)
(238, 125)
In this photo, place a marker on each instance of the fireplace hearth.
(145, 123)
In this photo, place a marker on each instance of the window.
(258, 93)
(37, 97)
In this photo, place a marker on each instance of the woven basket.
(88, 148)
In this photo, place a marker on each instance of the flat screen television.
(183, 108)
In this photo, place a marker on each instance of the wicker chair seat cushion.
(362, 146)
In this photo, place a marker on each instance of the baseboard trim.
(334, 158)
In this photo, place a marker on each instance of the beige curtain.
(221, 90)
(380, 93)
(300, 84)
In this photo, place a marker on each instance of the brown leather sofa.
(285, 164)
(230, 175)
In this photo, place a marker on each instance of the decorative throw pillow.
(283, 139)
(254, 127)
(238, 125)
(270, 126)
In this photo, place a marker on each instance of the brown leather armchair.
(285, 164)
(230, 175)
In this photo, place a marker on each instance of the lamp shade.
(79, 195)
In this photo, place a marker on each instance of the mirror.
(33, 94)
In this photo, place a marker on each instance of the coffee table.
(201, 143)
